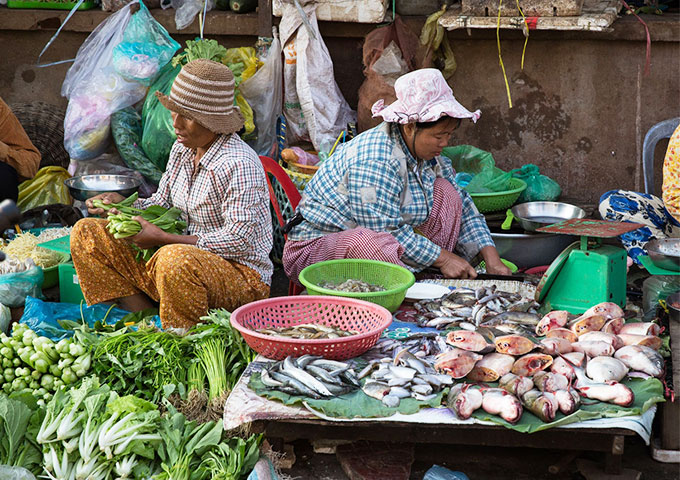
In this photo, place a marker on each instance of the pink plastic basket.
(367, 318)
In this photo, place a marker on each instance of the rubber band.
(500, 57)
(525, 31)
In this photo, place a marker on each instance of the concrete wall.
(581, 106)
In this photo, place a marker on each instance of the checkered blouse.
(226, 201)
(374, 182)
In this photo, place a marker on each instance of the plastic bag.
(375, 86)
(15, 473)
(243, 63)
(489, 180)
(126, 127)
(43, 317)
(46, 188)
(390, 65)
(263, 91)
(145, 48)
(313, 104)
(158, 134)
(435, 38)
(539, 187)
(466, 158)
(186, 11)
(96, 90)
(441, 473)
(15, 287)
(655, 289)
(5, 318)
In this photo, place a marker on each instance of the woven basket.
(44, 125)
(345, 313)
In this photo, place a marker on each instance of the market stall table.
(245, 409)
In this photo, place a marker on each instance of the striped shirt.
(226, 201)
(374, 182)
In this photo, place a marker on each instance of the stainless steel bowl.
(87, 186)
(533, 215)
(672, 299)
(665, 253)
(527, 250)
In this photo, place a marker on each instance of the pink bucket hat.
(422, 96)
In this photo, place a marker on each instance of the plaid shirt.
(226, 202)
(374, 182)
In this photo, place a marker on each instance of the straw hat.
(203, 91)
(422, 96)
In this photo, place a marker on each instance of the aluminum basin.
(527, 250)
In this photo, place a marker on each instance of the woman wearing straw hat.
(387, 195)
(218, 182)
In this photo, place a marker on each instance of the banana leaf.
(351, 405)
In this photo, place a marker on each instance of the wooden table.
(608, 441)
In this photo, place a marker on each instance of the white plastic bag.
(5, 317)
(96, 90)
(186, 11)
(263, 92)
(314, 107)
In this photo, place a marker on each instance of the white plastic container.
(360, 11)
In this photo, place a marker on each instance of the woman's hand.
(494, 265)
(498, 269)
(106, 198)
(453, 266)
(150, 236)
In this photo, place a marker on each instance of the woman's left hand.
(498, 269)
(150, 236)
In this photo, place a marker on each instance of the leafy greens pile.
(20, 419)
(122, 225)
(93, 433)
(200, 48)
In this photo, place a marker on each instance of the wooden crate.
(530, 8)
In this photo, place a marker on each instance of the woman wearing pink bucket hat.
(218, 182)
(388, 195)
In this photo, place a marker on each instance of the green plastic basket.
(495, 201)
(395, 279)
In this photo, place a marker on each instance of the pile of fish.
(420, 344)
(468, 309)
(351, 285)
(402, 376)
(584, 356)
(307, 331)
(310, 376)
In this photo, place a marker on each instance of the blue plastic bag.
(15, 287)
(43, 317)
(146, 47)
(440, 473)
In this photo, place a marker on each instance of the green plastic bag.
(539, 187)
(158, 134)
(466, 158)
(126, 127)
(490, 180)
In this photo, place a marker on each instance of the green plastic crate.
(69, 285)
(51, 274)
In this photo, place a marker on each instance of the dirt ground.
(492, 463)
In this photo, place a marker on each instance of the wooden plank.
(217, 22)
(264, 18)
(602, 440)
